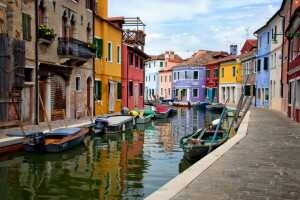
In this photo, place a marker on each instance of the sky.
(188, 26)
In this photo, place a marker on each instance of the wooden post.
(19, 118)
(240, 108)
(46, 116)
(65, 118)
(98, 103)
(86, 107)
(244, 114)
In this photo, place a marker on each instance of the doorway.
(42, 93)
(88, 93)
(136, 95)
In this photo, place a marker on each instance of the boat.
(56, 140)
(196, 145)
(113, 124)
(143, 120)
(162, 112)
(230, 113)
(216, 106)
(182, 104)
(200, 104)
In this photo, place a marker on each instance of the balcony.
(72, 51)
(134, 37)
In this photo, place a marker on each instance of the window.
(130, 88)
(291, 92)
(169, 91)
(206, 92)
(119, 90)
(165, 78)
(195, 92)
(170, 78)
(216, 73)
(268, 38)
(98, 89)
(119, 54)
(78, 84)
(150, 78)
(149, 64)
(177, 75)
(258, 65)
(266, 94)
(161, 64)
(166, 64)
(258, 94)
(271, 64)
(146, 78)
(26, 24)
(141, 89)
(161, 91)
(185, 75)
(233, 71)
(273, 93)
(141, 63)
(154, 77)
(207, 73)
(215, 92)
(254, 90)
(248, 68)
(131, 60)
(154, 64)
(259, 41)
(274, 63)
(2, 20)
(196, 75)
(222, 73)
(153, 91)
(255, 66)
(184, 93)
(266, 63)
(176, 92)
(99, 47)
(109, 49)
(161, 79)
(136, 62)
(297, 93)
(90, 4)
(247, 90)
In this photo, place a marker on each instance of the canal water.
(129, 165)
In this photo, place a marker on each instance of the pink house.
(165, 75)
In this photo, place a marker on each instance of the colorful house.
(212, 79)
(263, 65)
(108, 76)
(152, 67)
(230, 79)
(165, 75)
(188, 77)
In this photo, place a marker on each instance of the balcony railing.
(73, 49)
(134, 37)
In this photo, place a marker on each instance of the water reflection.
(128, 165)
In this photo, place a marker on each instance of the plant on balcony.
(206, 80)
(215, 79)
(46, 33)
(92, 47)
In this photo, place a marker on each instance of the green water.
(129, 165)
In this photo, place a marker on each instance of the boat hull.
(200, 105)
(162, 115)
(124, 125)
(143, 120)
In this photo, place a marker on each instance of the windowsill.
(77, 91)
(89, 10)
(130, 65)
(119, 99)
(109, 61)
(97, 100)
(74, 1)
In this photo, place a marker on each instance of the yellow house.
(108, 39)
(230, 79)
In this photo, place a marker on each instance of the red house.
(249, 46)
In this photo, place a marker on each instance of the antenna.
(247, 32)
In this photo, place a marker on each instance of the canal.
(129, 165)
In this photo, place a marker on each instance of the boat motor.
(100, 125)
(37, 141)
(125, 111)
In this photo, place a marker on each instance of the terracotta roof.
(247, 53)
(223, 60)
(116, 18)
(158, 57)
(253, 42)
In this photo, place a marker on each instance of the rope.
(10, 70)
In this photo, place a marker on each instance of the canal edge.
(177, 184)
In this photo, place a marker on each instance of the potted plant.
(215, 79)
(46, 33)
(92, 47)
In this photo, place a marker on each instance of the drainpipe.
(36, 62)
(127, 77)
(282, 52)
(94, 65)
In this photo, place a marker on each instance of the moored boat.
(196, 145)
(143, 120)
(56, 140)
(161, 112)
(215, 106)
(113, 124)
(200, 104)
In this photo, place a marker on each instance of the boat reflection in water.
(129, 165)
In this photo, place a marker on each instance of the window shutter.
(24, 26)
(141, 89)
(258, 65)
(119, 90)
(92, 5)
(99, 43)
(247, 90)
(118, 54)
(266, 63)
(100, 90)
(29, 27)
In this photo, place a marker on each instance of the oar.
(212, 142)
(19, 118)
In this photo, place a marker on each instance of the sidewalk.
(263, 165)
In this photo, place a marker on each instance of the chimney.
(172, 55)
(167, 54)
(233, 50)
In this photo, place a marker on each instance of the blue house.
(264, 35)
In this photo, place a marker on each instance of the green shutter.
(99, 44)
(109, 52)
(207, 73)
(24, 26)
(247, 90)
(119, 90)
(100, 90)
(29, 27)
(195, 93)
(118, 52)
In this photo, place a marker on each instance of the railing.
(68, 46)
(134, 37)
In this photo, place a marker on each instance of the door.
(262, 97)
(42, 93)
(58, 97)
(112, 91)
(88, 94)
(136, 95)
(210, 93)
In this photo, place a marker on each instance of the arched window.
(73, 31)
(43, 16)
(89, 33)
(64, 24)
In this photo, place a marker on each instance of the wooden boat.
(182, 104)
(143, 120)
(196, 145)
(113, 124)
(216, 106)
(200, 105)
(230, 113)
(56, 140)
(162, 112)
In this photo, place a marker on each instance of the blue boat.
(216, 106)
(200, 105)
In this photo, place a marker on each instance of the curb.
(177, 184)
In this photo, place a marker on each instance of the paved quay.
(263, 165)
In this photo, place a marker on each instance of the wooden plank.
(4, 79)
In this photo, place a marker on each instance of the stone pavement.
(263, 165)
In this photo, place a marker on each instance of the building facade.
(108, 70)
(165, 75)
(263, 66)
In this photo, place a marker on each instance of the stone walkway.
(264, 165)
